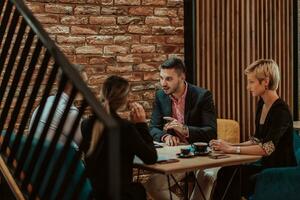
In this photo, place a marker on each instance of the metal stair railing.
(29, 65)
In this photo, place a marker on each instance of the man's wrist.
(185, 131)
(164, 137)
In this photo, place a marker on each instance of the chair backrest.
(228, 130)
(297, 146)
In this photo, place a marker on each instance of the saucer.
(180, 155)
(205, 153)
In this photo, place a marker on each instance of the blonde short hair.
(265, 68)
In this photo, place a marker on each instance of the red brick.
(103, 20)
(87, 10)
(36, 7)
(91, 30)
(153, 57)
(72, 1)
(96, 80)
(129, 58)
(177, 22)
(129, 20)
(109, 60)
(89, 50)
(146, 67)
(115, 49)
(143, 29)
(47, 18)
(154, 2)
(134, 76)
(165, 12)
(163, 30)
(151, 76)
(153, 39)
(179, 30)
(101, 39)
(81, 59)
(70, 39)
(142, 48)
(144, 11)
(67, 49)
(74, 20)
(168, 49)
(175, 40)
(181, 13)
(119, 68)
(157, 20)
(112, 30)
(57, 8)
(114, 11)
(55, 29)
(107, 2)
(120, 39)
(175, 3)
(128, 2)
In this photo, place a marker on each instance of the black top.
(277, 130)
(135, 140)
(199, 114)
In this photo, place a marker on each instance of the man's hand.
(175, 125)
(171, 140)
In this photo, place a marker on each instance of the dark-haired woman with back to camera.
(135, 140)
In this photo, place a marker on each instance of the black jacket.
(135, 140)
(199, 116)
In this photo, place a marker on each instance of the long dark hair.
(114, 92)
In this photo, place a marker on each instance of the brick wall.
(130, 38)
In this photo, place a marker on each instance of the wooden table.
(191, 164)
(186, 165)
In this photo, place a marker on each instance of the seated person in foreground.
(135, 140)
(273, 138)
(73, 112)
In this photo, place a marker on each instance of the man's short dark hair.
(174, 63)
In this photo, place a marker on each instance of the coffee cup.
(200, 146)
(185, 151)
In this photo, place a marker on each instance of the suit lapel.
(187, 105)
(167, 105)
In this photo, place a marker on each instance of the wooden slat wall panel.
(231, 34)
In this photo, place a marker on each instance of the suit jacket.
(199, 116)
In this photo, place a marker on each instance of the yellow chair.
(228, 130)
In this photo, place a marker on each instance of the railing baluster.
(29, 139)
(37, 84)
(50, 151)
(13, 55)
(15, 82)
(1, 6)
(71, 169)
(63, 155)
(5, 19)
(22, 93)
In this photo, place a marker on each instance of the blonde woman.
(273, 138)
(135, 140)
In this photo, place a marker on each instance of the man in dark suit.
(182, 113)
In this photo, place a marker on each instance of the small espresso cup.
(200, 146)
(185, 151)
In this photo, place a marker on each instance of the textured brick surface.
(130, 38)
